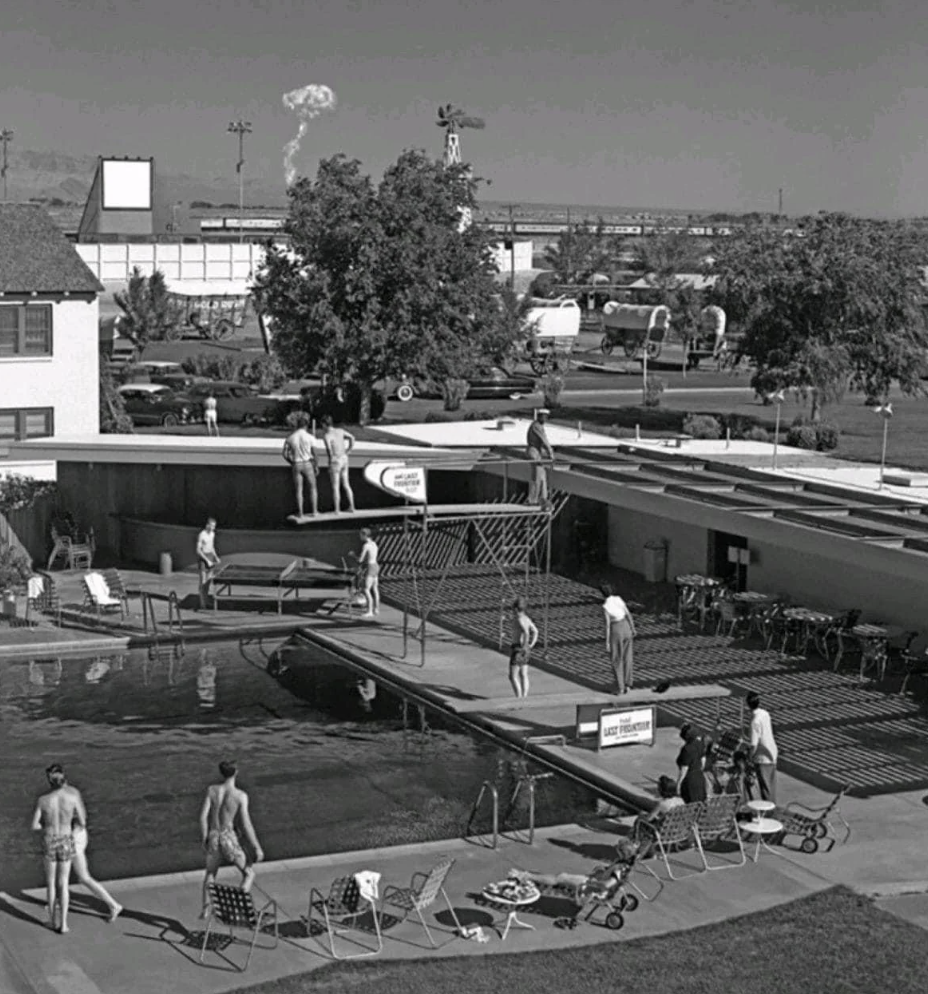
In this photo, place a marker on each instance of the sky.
(703, 104)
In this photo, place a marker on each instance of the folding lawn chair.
(674, 832)
(235, 908)
(813, 824)
(342, 909)
(716, 821)
(422, 892)
(98, 595)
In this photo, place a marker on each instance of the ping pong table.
(301, 579)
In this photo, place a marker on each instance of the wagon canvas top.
(209, 288)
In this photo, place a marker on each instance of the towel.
(368, 882)
(36, 587)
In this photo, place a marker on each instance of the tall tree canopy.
(837, 306)
(580, 251)
(383, 281)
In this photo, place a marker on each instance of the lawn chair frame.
(716, 821)
(92, 599)
(343, 906)
(813, 825)
(422, 892)
(236, 908)
(676, 830)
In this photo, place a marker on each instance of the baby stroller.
(603, 893)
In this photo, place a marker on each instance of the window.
(25, 330)
(29, 422)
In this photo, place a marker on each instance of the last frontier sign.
(399, 480)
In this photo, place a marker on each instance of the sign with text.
(399, 480)
(627, 726)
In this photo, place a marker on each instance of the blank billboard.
(126, 185)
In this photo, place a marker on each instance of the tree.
(147, 308)
(382, 281)
(113, 417)
(836, 307)
(659, 258)
(580, 251)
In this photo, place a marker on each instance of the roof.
(35, 256)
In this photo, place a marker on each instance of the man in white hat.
(539, 451)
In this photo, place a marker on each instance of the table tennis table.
(303, 579)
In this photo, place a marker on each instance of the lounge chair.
(75, 549)
(343, 908)
(422, 892)
(716, 821)
(99, 596)
(675, 831)
(235, 908)
(813, 824)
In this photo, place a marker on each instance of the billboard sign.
(627, 726)
(127, 184)
(398, 479)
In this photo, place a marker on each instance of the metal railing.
(529, 781)
(486, 788)
(174, 615)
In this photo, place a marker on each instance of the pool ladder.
(175, 622)
(490, 790)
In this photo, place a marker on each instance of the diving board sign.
(626, 726)
(398, 480)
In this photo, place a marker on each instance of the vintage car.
(155, 404)
(241, 403)
(495, 384)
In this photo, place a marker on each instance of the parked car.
(181, 382)
(155, 404)
(496, 384)
(240, 403)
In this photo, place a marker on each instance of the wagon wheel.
(631, 346)
(222, 329)
(606, 345)
(539, 364)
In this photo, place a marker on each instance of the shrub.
(757, 434)
(801, 436)
(15, 568)
(702, 426)
(434, 416)
(826, 436)
(652, 392)
(19, 492)
(739, 425)
(454, 393)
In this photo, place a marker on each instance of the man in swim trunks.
(524, 637)
(82, 870)
(224, 802)
(338, 444)
(370, 573)
(298, 451)
(55, 814)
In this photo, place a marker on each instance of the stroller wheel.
(809, 846)
(614, 920)
(629, 903)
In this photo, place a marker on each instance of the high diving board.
(444, 511)
(696, 692)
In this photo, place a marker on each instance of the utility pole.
(6, 136)
(512, 250)
(780, 204)
(240, 128)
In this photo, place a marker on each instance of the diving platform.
(447, 512)
(632, 698)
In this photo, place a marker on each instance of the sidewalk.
(154, 946)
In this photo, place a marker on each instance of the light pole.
(778, 399)
(6, 136)
(886, 410)
(512, 248)
(240, 128)
(173, 225)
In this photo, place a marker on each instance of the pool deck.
(152, 947)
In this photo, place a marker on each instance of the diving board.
(639, 696)
(444, 511)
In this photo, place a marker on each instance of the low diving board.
(695, 692)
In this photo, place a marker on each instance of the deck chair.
(43, 597)
(422, 892)
(727, 615)
(98, 596)
(813, 824)
(117, 585)
(914, 660)
(676, 831)
(716, 822)
(340, 910)
(236, 909)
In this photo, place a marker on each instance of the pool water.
(326, 769)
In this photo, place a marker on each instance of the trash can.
(655, 561)
(166, 564)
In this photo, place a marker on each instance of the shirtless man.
(222, 804)
(207, 559)
(82, 870)
(55, 815)
(211, 415)
(338, 444)
(524, 637)
(369, 569)
(298, 451)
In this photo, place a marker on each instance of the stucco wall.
(113, 263)
(629, 530)
(68, 380)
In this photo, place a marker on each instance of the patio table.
(752, 603)
(529, 894)
(873, 641)
(694, 592)
(812, 627)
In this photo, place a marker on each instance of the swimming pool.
(141, 735)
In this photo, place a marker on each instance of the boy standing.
(524, 637)
(298, 451)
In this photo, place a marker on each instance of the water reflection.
(103, 666)
(44, 674)
(206, 682)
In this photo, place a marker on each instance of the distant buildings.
(49, 315)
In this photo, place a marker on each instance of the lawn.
(834, 942)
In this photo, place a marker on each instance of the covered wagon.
(634, 328)
(214, 309)
(554, 326)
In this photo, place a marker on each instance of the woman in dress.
(691, 763)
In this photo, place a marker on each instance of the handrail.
(174, 610)
(148, 614)
(486, 787)
(529, 779)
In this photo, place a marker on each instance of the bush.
(653, 390)
(702, 426)
(827, 435)
(434, 416)
(738, 425)
(262, 371)
(802, 436)
(757, 434)
(454, 393)
(15, 568)
(551, 386)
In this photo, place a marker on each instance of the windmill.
(452, 119)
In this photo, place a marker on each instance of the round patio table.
(693, 592)
(761, 827)
(813, 625)
(511, 906)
